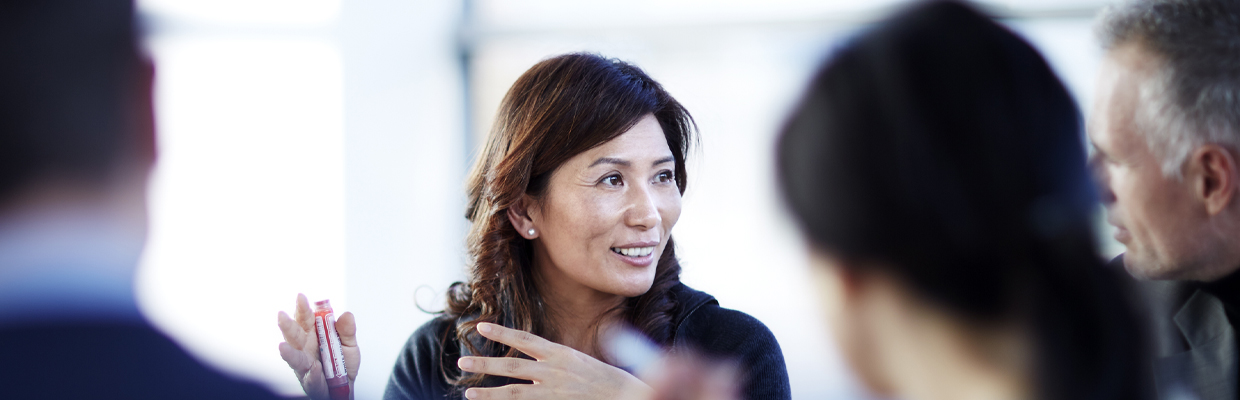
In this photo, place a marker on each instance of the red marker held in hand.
(330, 351)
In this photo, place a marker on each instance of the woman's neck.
(575, 312)
(933, 356)
(955, 376)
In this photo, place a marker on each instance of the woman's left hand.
(558, 371)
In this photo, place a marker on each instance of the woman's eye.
(613, 180)
(664, 177)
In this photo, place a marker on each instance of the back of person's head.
(1194, 98)
(942, 147)
(70, 91)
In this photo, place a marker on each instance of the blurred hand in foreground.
(686, 376)
(681, 374)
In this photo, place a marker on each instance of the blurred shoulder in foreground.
(76, 149)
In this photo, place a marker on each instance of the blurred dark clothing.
(701, 324)
(1227, 290)
(74, 110)
(1194, 329)
(71, 327)
(108, 360)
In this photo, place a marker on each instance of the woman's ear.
(522, 215)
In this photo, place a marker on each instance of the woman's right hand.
(300, 348)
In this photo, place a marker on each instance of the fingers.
(690, 378)
(310, 346)
(503, 366)
(722, 383)
(298, 360)
(506, 392)
(313, 382)
(528, 343)
(352, 360)
(347, 329)
(293, 334)
(304, 314)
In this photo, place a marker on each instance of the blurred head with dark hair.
(76, 145)
(74, 101)
(935, 167)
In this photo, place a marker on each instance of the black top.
(1227, 290)
(1193, 336)
(108, 360)
(699, 324)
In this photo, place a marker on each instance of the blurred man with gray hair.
(1166, 132)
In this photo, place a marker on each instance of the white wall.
(311, 146)
(405, 160)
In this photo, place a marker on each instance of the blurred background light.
(247, 201)
(266, 13)
(321, 146)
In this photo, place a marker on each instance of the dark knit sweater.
(700, 323)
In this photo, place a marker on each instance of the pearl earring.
(531, 232)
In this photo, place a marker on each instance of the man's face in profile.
(1152, 213)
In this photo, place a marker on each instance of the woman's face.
(607, 213)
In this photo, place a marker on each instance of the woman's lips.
(641, 256)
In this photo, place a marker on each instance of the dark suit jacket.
(1195, 344)
(107, 360)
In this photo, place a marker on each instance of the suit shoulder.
(115, 360)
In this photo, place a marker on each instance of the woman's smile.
(637, 254)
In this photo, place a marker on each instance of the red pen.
(330, 352)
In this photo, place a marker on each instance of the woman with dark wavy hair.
(572, 204)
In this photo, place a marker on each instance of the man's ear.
(522, 215)
(1213, 170)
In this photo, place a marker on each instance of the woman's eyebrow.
(609, 160)
(626, 163)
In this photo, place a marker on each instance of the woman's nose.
(643, 209)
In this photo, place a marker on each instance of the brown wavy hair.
(559, 108)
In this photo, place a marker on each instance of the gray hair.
(1194, 98)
